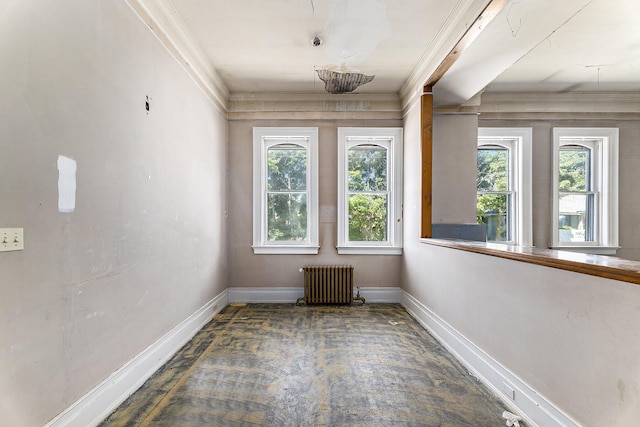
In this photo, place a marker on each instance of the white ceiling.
(532, 45)
(597, 50)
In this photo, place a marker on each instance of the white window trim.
(519, 142)
(393, 246)
(260, 145)
(605, 184)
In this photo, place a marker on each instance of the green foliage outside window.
(367, 168)
(286, 193)
(575, 209)
(367, 185)
(367, 218)
(493, 184)
(573, 169)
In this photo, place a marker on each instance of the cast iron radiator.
(328, 284)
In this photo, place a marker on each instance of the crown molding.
(584, 103)
(570, 102)
(298, 106)
(463, 13)
(165, 22)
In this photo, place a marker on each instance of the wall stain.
(621, 390)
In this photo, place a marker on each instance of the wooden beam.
(491, 11)
(426, 108)
(426, 150)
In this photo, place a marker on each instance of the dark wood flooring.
(283, 365)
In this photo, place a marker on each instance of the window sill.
(369, 250)
(594, 265)
(594, 250)
(285, 250)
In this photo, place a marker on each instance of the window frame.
(604, 145)
(392, 139)
(518, 141)
(263, 139)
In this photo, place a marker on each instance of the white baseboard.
(534, 409)
(264, 295)
(97, 404)
(381, 295)
(290, 295)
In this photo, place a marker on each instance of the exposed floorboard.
(282, 365)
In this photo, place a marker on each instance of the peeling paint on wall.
(66, 184)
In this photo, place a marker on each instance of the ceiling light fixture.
(342, 82)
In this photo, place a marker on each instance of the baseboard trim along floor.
(533, 407)
(291, 294)
(97, 404)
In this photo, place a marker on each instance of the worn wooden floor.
(282, 365)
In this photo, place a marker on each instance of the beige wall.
(455, 138)
(249, 270)
(146, 244)
(571, 337)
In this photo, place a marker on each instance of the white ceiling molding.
(244, 106)
(520, 104)
(168, 26)
(463, 14)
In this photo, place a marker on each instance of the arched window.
(585, 189)
(370, 190)
(285, 200)
(504, 184)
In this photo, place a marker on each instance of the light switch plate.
(11, 239)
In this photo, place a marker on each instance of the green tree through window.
(576, 199)
(585, 190)
(286, 193)
(368, 198)
(493, 203)
(574, 164)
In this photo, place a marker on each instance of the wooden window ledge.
(594, 265)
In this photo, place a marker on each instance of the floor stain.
(282, 365)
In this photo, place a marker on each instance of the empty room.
(319, 212)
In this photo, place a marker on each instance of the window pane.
(574, 164)
(367, 218)
(493, 169)
(367, 168)
(286, 217)
(287, 168)
(575, 220)
(493, 210)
